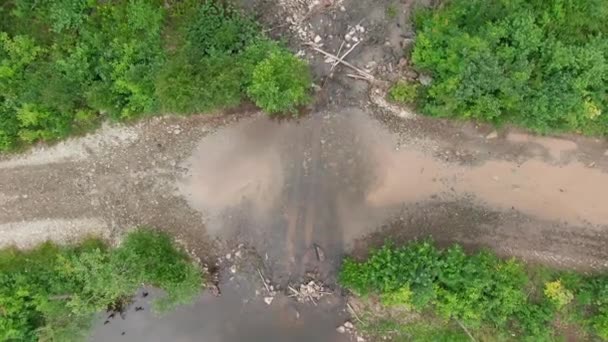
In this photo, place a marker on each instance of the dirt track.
(329, 179)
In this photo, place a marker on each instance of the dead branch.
(367, 75)
(465, 330)
(264, 281)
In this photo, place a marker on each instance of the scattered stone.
(342, 9)
(238, 254)
(233, 269)
(268, 300)
(341, 329)
(228, 256)
(360, 339)
(348, 37)
(425, 80)
(492, 135)
(348, 325)
(317, 39)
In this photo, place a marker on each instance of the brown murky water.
(331, 179)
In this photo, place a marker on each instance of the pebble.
(492, 135)
(318, 39)
(348, 325)
(341, 329)
(268, 300)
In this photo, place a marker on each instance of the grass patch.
(51, 293)
(403, 92)
(538, 64)
(391, 11)
(66, 65)
(496, 299)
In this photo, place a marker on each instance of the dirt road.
(329, 179)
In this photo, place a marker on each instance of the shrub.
(67, 64)
(280, 83)
(53, 292)
(540, 64)
(558, 294)
(480, 290)
(403, 92)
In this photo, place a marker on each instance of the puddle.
(229, 318)
(330, 179)
(555, 147)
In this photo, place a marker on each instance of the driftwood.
(365, 75)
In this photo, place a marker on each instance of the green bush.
(479, 290)
(280, 83)
(67, 64)
(540, 64)
(53, 292)
(403, 92)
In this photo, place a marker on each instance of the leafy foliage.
(280, 82)
(540, 64)
(403, 92)
(53, 292)
(479, 290)
(67, 64)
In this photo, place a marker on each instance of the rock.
(318, 39)
(238, 254)
(342, 9)
(360, 339)
(411, 74)
(425, 80)
(228, 256)
(320, 253)
(348, 325)
(606, 153)
(341, 329)
(347, 37)
(492, 135)
(233, 269)
(407, 42)
(355, 39)
(268, 300)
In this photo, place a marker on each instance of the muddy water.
(229, 318)
(329, 179)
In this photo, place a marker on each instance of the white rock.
(341, 329)
(425, 80)
(228, 256)
(318, 39)
(342, 9)
(355, 39)
(347, 37)
(360, 339)
(492, 135)
(268, 300)
(233, 269)
(238, 254)
(348, 325)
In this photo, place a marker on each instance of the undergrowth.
(51, 293)
(495, 298)
(539, 64)
(66, 65)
